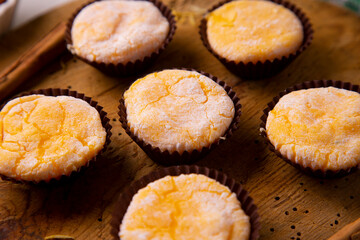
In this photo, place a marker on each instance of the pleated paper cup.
(129, 68)
(175, 158)
(307, 85)
(66, 92)
(260, 69)
(247, 203)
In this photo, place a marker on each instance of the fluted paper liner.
(66, 92)
(259, 69)
(130, 68)
(307, 85)
(247, 203)
(165, 157)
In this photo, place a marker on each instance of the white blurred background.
(29, 9)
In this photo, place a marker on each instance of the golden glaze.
(252, 31)
(178, 110)
(186, 207)
(317, 128)
(45, 137)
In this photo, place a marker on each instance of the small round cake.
(185, 207)
(44, 137)
(118, 31)
(251, 31)
(178, 110)
(317, 128)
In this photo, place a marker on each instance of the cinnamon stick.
(349, 232)
(43, 52)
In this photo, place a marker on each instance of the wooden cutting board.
(291, 204)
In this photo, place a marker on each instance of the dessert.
(192, 206)
(251, 31)
(178, 110)
(256, 39)
(117, 33)
(317, 128)
(45, 137)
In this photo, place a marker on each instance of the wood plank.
(82, 207)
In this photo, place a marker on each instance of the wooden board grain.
(291, 204)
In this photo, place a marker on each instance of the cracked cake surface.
(317, 128)
(178, 110)
(185, 207)
(118, 31)
(45, 137)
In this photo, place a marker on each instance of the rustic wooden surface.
(291, 204)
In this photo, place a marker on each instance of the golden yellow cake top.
(118, 31)
(317, 127)
(251, 31)
(178, 110)
(45, 137)
(186, 207)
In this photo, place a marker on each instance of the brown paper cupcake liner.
(165, 157)
(259, 69)
(307, 85)
(66, 92)
(247, 203)
(130, 68)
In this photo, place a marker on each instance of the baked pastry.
(113, 31)
(178, 110)
(255, 38)
(251, 31)
(45, 137)
(114, 34)
(192, 206)
(317, 128)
